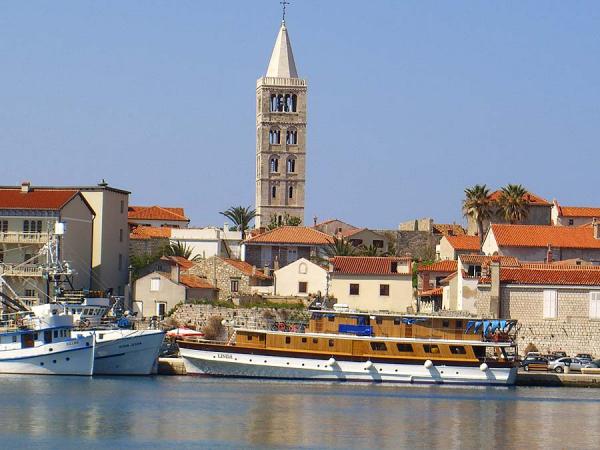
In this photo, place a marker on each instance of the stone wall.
(146, 247)
(416, 243)
(220, 274)
(198, 315)
(572, 331)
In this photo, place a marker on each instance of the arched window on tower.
(273, 191)
(291, 165)
(294, 102)
(274, 165)
(288, 103)
(274, 136)
(274, 103)
(290, 192)
(291, 137)
(280, 103)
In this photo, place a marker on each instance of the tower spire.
(282, 64)
(283, 4)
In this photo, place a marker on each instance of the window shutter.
(595, 305)
(550, 304)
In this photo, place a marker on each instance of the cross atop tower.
(284, 4)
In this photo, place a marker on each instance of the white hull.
(72, 357)
(223, 363)
(127, 352)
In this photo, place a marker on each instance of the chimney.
(315, 221)
(495, 288)
(25, 187)
(253, 271)
(175, 272)
(549, 255)
(596, 227)
(276, 263)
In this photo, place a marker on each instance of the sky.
(409, 101)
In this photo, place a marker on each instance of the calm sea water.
(190, 412)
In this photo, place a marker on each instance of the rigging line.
(85, 269)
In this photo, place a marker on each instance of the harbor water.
(197, 412)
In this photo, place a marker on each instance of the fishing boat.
(352, 346)
(43, 342)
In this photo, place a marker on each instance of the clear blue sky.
(409, 101)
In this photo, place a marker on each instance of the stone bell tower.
(280, 137)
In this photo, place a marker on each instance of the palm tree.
(513, 203)
(340, 247)
(369, 250)
(240, 216)
(478, 206)
(178, 248)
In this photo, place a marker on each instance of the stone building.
(429, 276)
(539, 213)
(558, 307)
(148, 241)
(280, 137)
(233, 278)
(451, 247)
(363, 237)
(333, 226)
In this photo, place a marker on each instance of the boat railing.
(15, 321)
(295, 326)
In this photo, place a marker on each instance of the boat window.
(378, 346)
(429, 348)
(458, 350)
(445, 323)
(35, 336)
(331, 318)
(86, 312)
(249, 337)
(378, 320)
(55, 333)
(397, 320)
(261, 337)
(14, 338)
(331, 343)
(404, 347)
(315, 340)
(304, 340)
(288, 340)
(27, 341)
(459, 324)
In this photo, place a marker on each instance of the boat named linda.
(363, 347)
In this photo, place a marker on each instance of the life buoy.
(281, 326)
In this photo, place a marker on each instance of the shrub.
(213, 329)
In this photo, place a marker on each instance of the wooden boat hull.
(237, 362)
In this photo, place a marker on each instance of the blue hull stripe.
(110, 356)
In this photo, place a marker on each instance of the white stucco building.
(300, 279)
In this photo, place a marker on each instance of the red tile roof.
(246, 268)
(331, 221)
(180, 261)
(448, 229)
(369, 265)
(157, 213)
(544, 235)
(446, 266)
(352, 232)
(505, 261)
(150, 232)
(36, 198)
(532, 199)
(579, 211)
(195, 282)
(464, 242)
(553, 275)
(292, 235)
(432, 292)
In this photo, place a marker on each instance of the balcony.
(26, 270)
(16, 237)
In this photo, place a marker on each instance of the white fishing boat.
(43, 342)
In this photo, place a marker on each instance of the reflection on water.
(207, 412)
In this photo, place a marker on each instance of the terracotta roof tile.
(156, 213)
(446, 265)
(352, 232)
(369, 265)
(531, 198)
(150, 232)
(180, 261)
(464, 242)
(246, 268)
(292, 235)
(544, 235)
(432, 292)
(36, 198)
(552, 275)
(579, 211)
(195, 282)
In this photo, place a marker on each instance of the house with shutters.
(372, 283)
(363, 237)
(283, 245)
(544, 243)
(333, 226)
(557, 306)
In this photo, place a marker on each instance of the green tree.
(178, 248)
(340, 247)
(286, 220)
(478, 206)
(369, 250)
(513, 203)
(240, 216)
